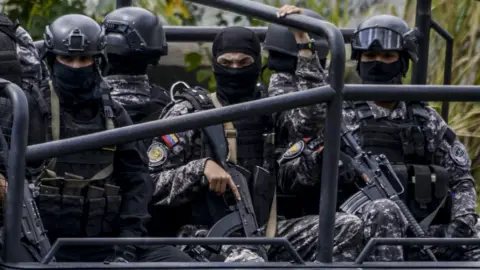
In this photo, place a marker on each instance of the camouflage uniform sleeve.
(175, 169)
(29, 59)
(300, 166)
(306, 121)
(451, 154)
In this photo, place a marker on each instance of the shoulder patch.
(170, 140)
(295, 150)
(459, 154)
(157, 154)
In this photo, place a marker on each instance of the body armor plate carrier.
(77, 196)
(404, 143)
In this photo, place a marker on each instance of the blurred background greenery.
(461, 18)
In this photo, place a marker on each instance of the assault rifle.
(377, 173)
(32, 226)
(243, 217)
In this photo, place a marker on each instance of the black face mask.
(129, 65)
(75, 84)
(280, 62)
(376, 72)
(236, 84)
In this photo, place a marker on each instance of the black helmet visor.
(377, 38)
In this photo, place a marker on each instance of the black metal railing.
(15, 167)
(333, 94)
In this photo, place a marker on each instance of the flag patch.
(170, 140)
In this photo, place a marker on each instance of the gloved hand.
(123, 254)
(461, 227)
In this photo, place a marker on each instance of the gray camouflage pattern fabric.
(29, 59)
(302, 233)
(130, 89)
(299, 122)
(383, 218)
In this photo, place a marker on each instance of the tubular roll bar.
(208, 33)
(15, 168)
(333, 93)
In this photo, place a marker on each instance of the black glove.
(122, 255)
(460, 227)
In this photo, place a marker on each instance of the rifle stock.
(377, 172)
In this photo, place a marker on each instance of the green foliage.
(34, 15)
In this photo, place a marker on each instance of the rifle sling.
(230, 133)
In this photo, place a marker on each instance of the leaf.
(204, 74)
(192, 61)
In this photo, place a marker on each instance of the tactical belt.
(231, 134)
(55, 122)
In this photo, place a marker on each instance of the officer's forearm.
(135, 199)
(172, 186)
(464, 199)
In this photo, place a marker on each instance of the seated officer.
(427, 156)
(96, 193)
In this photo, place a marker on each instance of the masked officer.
(428, 157)
(177, 161)
(135, 41)
(294, 58)
(103, 192)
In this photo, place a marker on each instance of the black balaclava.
(280, 62)
(133, 64)
(236, 85)
(75, 85)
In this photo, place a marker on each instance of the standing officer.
(428, 157)
(135, 40)
(102, 192)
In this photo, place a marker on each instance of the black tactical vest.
(404, 144)
(77, 195)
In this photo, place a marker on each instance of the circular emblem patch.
(157, 154)
(294, 150)
(458, 154)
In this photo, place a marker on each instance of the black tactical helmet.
(75, 35)
(134, 30)
(384, 33)
(280, 39)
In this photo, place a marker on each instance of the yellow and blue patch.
(295, 150)
(157, 154)
(170, 140)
